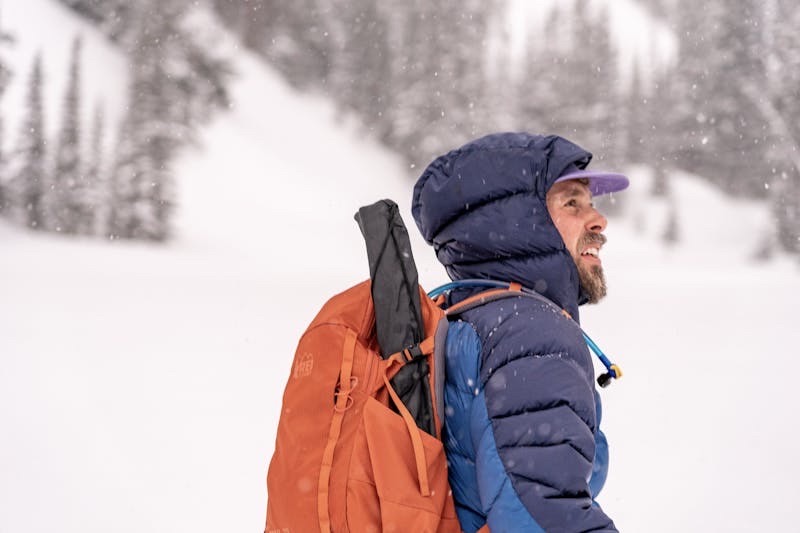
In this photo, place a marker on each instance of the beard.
(592, 279)
(593, 282)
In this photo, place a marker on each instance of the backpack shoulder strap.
(514, 289)
(499, 290)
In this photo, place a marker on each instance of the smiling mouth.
(591, 255)
(591, 252)
(591, 244)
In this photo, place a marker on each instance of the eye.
(571, 203)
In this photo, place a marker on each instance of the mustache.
(592, 238)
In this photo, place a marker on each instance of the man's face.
(580, 225)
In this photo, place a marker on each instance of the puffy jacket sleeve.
(600, 467)
(537, 448)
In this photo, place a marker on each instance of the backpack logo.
(304, 365)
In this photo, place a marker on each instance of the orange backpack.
(349, 454)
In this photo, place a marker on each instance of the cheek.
(570, 231)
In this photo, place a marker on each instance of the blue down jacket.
(521, 411)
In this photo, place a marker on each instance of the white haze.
(140, 385)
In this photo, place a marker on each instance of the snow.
(49, 28)
(140, 385)
(702, 425)
(637, 36)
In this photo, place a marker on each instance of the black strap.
(395, 296)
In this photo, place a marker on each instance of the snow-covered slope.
(48, 28)
(140, 386)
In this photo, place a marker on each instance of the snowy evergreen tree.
(418, 105)
(142, 181)
(68, 181)
(671, 234)
(199, 75)
(634, 112)
(5, 200)
(438, 74)
(502, 98)
(688, 119)
(257, 23)
(361, 76)
(114, 17)
(120, 220)
(29, 185)
(609, 97)
(586, 81)
(300, 42)
(461, 79)
(94, 196)
(785, 209)
(175, 83)
(721, 53)
(536, 88)
(200, 81)
(780, 105)
(657, 136)
(5, 78)
(662, 10)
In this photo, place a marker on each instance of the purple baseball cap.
(599, 182)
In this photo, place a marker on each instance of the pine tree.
(658, 136)
(660, 182)
(200, 83)
(538, 87)
(502, 98)
(688, 119)
(462, 68)
(113, 16)
(361, 69)
(300, 42)
(586, 81)
(256, 23)
(635, 118)
(780, 105)
(5, 78)
(417, 105)
(197, 73)
(93, 197)
(721, 54)
(5, 201)
(671, 234)
(658, 8)
(438, 76)
(28, 186)
(68, 181)
(785, 207)
(120, 220)
(142, 181)
(607, 84)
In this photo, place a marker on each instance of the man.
(522, 415)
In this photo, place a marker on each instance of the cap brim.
(599, 182)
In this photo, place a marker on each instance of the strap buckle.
(413, 352)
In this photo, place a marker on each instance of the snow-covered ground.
(140, 385)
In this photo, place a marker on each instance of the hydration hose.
(604, 380)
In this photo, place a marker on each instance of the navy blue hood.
(483, 209)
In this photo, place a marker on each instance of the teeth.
(591, 251)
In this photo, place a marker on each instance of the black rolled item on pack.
(395, 296)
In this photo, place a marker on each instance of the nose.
(596, 222)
